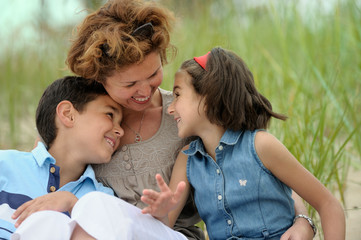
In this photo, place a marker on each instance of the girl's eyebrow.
(175, 87)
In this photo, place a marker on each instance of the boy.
(80, 124)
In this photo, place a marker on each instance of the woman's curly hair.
(120, 33)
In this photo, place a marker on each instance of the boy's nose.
(119, 131)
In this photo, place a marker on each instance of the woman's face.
(133, 87)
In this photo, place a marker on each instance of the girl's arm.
(301, 228)
(167, 204)
(286, 168)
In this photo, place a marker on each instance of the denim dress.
(236, 195)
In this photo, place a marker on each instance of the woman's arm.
(285, 167)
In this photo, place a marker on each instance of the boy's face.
(97, 129)
(187, 106)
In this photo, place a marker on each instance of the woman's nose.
(145, 89)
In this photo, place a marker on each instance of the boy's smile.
(98, 126)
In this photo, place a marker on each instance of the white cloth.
(100, 215)
(44, 225)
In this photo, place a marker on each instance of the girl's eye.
(176, 94)
(110, 115)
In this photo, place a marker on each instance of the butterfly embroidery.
(242, 182)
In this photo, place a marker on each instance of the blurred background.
(304, 54)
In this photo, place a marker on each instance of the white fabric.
(44, 225)
(102, 216)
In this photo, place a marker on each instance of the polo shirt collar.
(41, 155)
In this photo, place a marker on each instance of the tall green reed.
(308, 66)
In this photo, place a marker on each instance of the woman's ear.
(65, 111)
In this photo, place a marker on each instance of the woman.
(124, 45)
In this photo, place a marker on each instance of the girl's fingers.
(162, 185)
(147, 200)
(149, 193)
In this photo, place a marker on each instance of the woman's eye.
(110, 115)
(131, 84)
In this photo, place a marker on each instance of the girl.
(242, 175)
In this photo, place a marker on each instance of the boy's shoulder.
(12, 153)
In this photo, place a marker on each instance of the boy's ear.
(66, 113)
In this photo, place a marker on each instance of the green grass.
(309, 68)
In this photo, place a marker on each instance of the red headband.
(202, 60)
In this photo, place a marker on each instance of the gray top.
(134, 166)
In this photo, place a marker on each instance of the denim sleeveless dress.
(236, 195)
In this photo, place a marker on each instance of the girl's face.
(133, 87)
(187, 106)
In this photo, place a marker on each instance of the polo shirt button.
(219, 197)
(229, 222)
(124, 148)
(218, 171)
(126, 157)
(220, 147)
(128, 167)
(52, 169)
(52, 189)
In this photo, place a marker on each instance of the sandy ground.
(353, 205)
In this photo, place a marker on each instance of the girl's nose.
(171, 108)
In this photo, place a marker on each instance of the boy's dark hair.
(79, 91)
(231, 98)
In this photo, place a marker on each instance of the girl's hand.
(61, 201)
(300, 230)
(161, 203)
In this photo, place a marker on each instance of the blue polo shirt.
(27, 175)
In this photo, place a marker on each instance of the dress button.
(127, 166)
(124, 148)
(219, 197)
(220, 147)
(52, 189)
(229, 222)
(126, 157)
(218, 171)
(52, 169)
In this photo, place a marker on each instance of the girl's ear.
(65, 111)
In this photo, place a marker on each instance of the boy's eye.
(110, 115)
